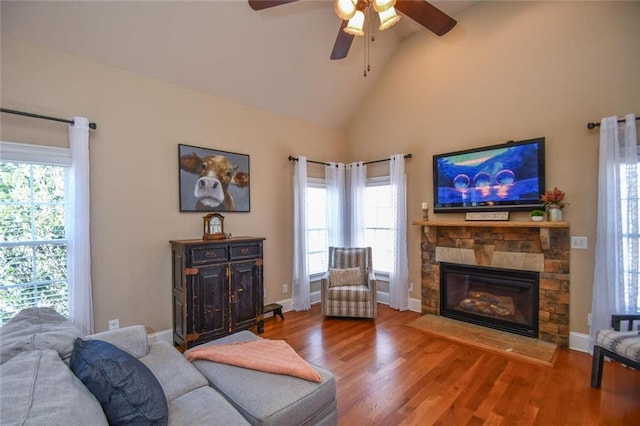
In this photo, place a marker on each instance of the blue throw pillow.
(127, 390)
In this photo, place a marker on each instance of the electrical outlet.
(579, 243)
(589, 320)
(285, 288)
(410, 287)
(114, 324)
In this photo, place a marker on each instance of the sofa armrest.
(132, 339)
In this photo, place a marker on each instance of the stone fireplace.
(539, 247)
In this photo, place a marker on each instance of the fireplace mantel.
(430, 225)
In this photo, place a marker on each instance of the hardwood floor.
(390, 374)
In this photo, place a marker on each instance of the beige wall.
(510, 71)
(134, 176)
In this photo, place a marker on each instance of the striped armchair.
(349, 287)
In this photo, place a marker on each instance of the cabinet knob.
(210, 254)
(244, 250)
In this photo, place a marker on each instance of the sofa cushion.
(38, 388)
(267, 398)
(127, 390)
(37, 329)
(176, 375)
(203, 406)
(132, 339)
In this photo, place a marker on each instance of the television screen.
(509, 176)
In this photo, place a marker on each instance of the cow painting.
(213, 180)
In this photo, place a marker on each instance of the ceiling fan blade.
(266, 4)
(427, 15)
(343, 43)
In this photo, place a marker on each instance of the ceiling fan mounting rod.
(362, 5)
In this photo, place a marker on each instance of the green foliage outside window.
(33, 245)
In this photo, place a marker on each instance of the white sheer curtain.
(615, 288)
(399, 276)
(300, 292)
(356, 182)
(334, 183)
(78, 226)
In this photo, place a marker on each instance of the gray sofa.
(38, 385)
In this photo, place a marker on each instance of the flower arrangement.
(553, 198)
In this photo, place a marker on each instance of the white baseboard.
(579, 342)
(415, 305)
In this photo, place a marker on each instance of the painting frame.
(213, 180)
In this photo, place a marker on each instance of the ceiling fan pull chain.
(366, 42)
(368, 36)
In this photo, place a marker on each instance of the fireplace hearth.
(502, 299)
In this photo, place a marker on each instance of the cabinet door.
(210, 303)
(246, 293)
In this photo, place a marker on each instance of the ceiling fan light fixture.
(388, 18)
(345, 9)
(356, 24)
(382, 5)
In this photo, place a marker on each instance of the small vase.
(555, 214)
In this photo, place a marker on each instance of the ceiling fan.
(420, 11)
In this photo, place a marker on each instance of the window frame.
(371, 182)
(41, 155)
(626, 198)
(313, 182)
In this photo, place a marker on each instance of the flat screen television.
(503, 177)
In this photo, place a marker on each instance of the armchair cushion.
(622, 346)
(624, 343)
(345, 277)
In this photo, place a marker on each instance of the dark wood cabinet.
(217, 288)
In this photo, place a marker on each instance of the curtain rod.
(292, 158)
(44, 117)
(592, 125)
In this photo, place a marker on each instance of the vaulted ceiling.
(276, 59)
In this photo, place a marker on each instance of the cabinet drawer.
(245, 251)
(208, 254)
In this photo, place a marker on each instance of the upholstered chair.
(349, 287)
(620, 345)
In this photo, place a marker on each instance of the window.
(629, 179)
(379, 230)
(317, 234)
(33, 245)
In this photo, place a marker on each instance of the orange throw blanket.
(272, 356)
